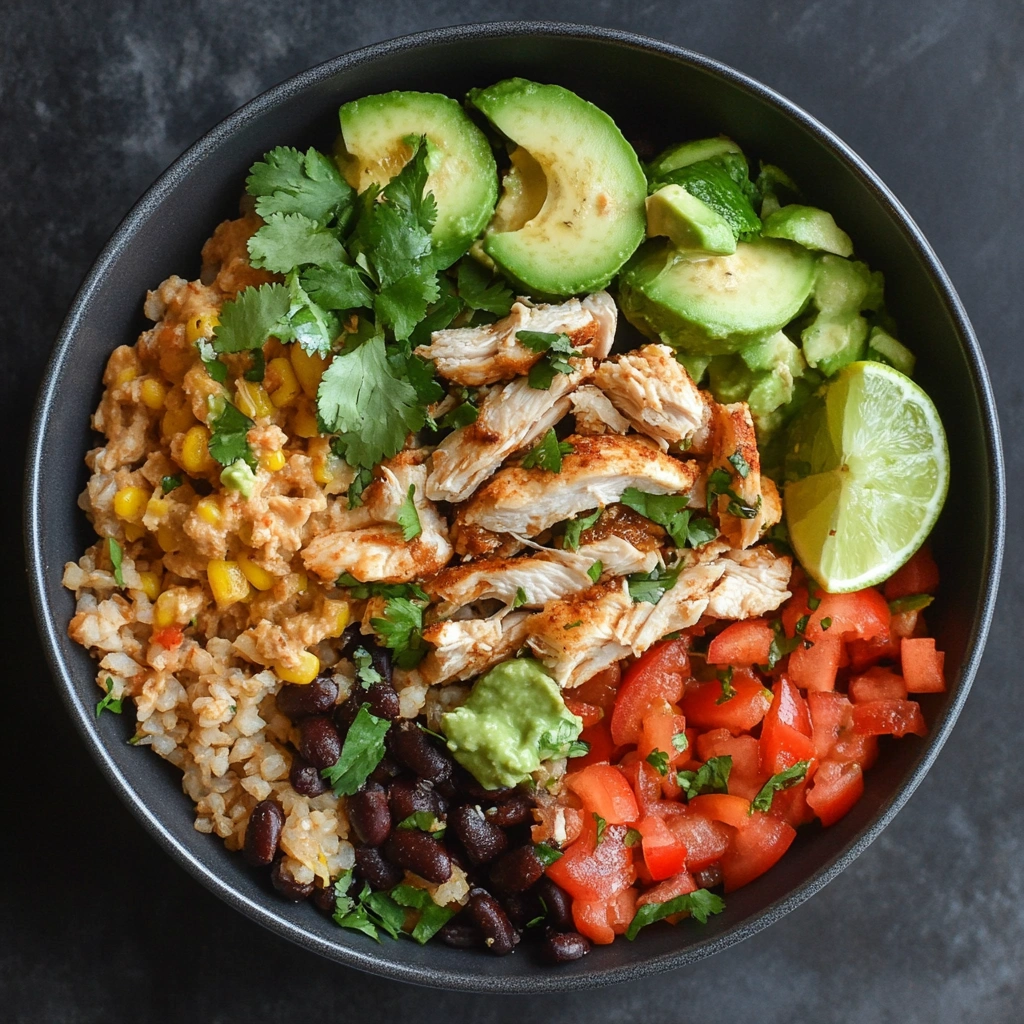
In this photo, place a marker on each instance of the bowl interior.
(657, 94)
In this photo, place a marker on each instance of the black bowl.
(657, 93)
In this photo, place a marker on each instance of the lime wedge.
(868, 468)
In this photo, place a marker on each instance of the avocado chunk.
(572, 207)
(810, 227)
(884, 348)
(841, 286)
(720, 304)
(514, 718)
(688, 223)
(833, 340)
(685, 153)
(723, 185)
(377, 138)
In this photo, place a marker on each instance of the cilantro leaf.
(548, 453)
(479, 290)
(658, 760)
(366, 912)
(711, 777)
(338, 286)
(290, 240)
(667, 510)
(594, 572)
(557, 349)
(700, 531)
(779, 781)
(632, 837)
(407, 516)
(116, 554)
(361, 591)
(250, 318)
(680, 742)
(578, 748)
(365, 671)
(651, 586)
(169, 483)
(362, 480)
(520, 599)
(366, 404)
(424, 821)
(383, 911)
(109, 702)
(557, 742)
(361, 753)
(601, 826)
(287, 181)
(432, 917)
(699, 905)
(402, 304)
(739, 464)
(228, 441)
(400, 630)
(258, 370)
(728, 690)
(461, 416)
(546, 854)
(781, 645)
(575, 527)
(305, 322)
(541, 375)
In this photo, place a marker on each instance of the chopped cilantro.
(548, 454)
(362, 480)
(407, 516)
(724, 676)
(699, 905)
(520, 599)
(578, 748)
(781, 645)
(651, 586)
(575, 527)
(601, 826)
(911, 603)
(711, 777)
(680, 741)
(720, 483)
(573, 625)
(287, 181)
(740, 464)
(114, 549)
(813, 602)
(361, 753)
(461, 416)
(290, 240)
(632, 837)
(424, 821)
(479, 290)
(801, 623)
(432, 917)
(365, 672)
(401, 629)
(361, 591)
(594, 572)
(109, 702)
(366, 912)
(557, 349)
(558, 742)
(228, 441)
(249, 319)
(826, 622)
(546, 854)
(258, 370)
(781, 780)
(658, 760)
(700, 531)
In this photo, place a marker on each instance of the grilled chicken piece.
(759, 505)
(511, 417)
(595, 413)
(467, 648)
(524, 502)
(754, 582)
(378, 551)
(656, 394)
(474, 356)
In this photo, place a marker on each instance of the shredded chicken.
(467, 648)
(754, 582)
(656, 394)
(474, 356)
(595, 413)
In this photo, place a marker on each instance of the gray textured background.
(98, 924)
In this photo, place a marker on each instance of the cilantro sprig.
(228, 437)
(548, 453)
(670, 512)
(700, 905)
(408, 518)
(779, 781)
(575, 527)
(109, 701)
(711, 777)
(557, 349)
(651, 586)
(360, 754)
(401, 630)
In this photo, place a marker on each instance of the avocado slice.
(833, 340)
(685, 153)
(688, 223)
(719, 304)
(377, 133)
(810, 227)
(572, 208)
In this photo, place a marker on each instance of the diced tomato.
(786, 730)
(664, 853)
(646, 783)
(831, 716)
(678, 885)
(554, 818)
(739, 713)
(922, 665)
(705, 840)
(589, 870)
(600, 690)
(745, 778)
(169, 637)
(604, 792)
(853, 748)
(599, 739)
(889, 718)
(815, 667)
(723, 807)
(835, 789)
(601, 920)
(790, 805)
(660, 674)
(742, 643)
(919, 576)
(861, 615)
(865, 653)
(754, 848)
(590, 713)
(877, 684)
(661, 725)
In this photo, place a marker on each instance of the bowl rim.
(81, 712)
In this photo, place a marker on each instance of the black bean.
(557, 903)
(481, 840)
(465, 783)
(522, 908)
(344, 715)
(487, 914)
(287, 886)
(354, 639)
(375, 870)
(563, 947)
(387, 769)
(513, 811)
(407, 796)
(383, 700)
(709, 877)
(263, 832)
(517, 870)
(368, 814)
(461, 933)
(298, 702)
(419, 852)
(410, 745)
(305, 779)
(319, 742)
(325, 899)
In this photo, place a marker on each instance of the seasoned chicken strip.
(474, 356)
(734, 439)
(595, 413)
(527, 501)
(754, 582)
(470, 647)
(656, 394)
(511, 417)
(378, 551)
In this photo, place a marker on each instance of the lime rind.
(876, 484)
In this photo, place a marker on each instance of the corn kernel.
(338, 610)
(152, 393)
(150, 584)
(177, 421)
(257, 576)
(244, 532)
(157, 508)
(126, 375)
(253, 400)
(130, 503)
(164, 610)
(227, 582)
(302, 584)
(322, 471)
(282, 382)
(195, 451)
(208, 509)
(308, 369)
(308, 670)
(273, 461)
(304, 421)
(167, 539)
(133, 531)
(201, 327)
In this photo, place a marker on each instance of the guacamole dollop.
(239, 477)
(514, 718)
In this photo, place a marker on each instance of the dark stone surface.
(98, 924)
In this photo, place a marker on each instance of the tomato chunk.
(723, 807)
(919, 576)
(170, 637)
(599, 738)
(922, 665)
(590, 713)
(861, 615)
(745, 778)
(661, 725)
(815, 667)
(742, 643)
(831, 716)
(601, 920)
(865, 653)
(889, 718)
(755, 848)
(739, 713)
(604, 792)
(679, 885)
(835, 789)
(705, 840)
(600, 690)
(664, 853)
(589, 870)
(877, 684)
(659, 675)
(786, 731)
